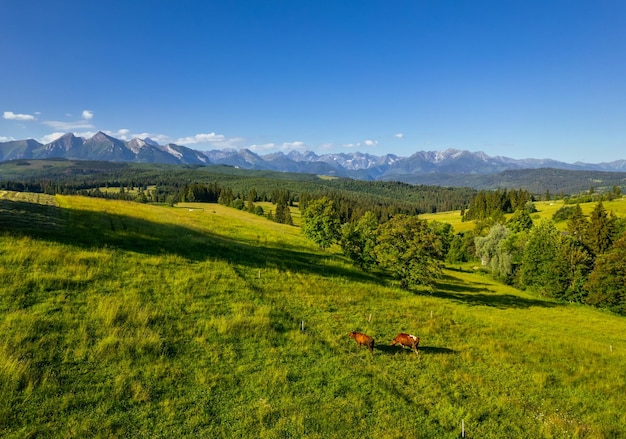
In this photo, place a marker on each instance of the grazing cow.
(363, 339)
(407, 340)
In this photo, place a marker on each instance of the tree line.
(409, 248)
(242, 189)
(584, 264)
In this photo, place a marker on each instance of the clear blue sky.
(516, 78)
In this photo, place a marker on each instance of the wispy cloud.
(161, 139)
(48, 138)
(293, 145)
(285, 146)
(82, 124)
(9, 115)
(398, 136)
(122, 134)
(6, 139)
(69, 126)
(368, 143)
(213, 139)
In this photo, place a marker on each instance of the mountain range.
(421, 167)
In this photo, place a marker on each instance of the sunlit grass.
(204, 321)
(545, 209)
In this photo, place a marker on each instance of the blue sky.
(516, 78)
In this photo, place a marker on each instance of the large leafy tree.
(607, 281)
(501, 251)
(320, 222)
(489, 249)
(462, 248)
(410, 250)
(540, 253)
(358, 240)
(520, 221)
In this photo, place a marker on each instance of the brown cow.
(363, 339)
(407, 340)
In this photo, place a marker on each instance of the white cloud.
(263, 147)
(367, 142)
(50, 137)
(161, 139)
(6, 139)
(85, 134)
(68, 126)
(398, 136)
(121, 134)
(202, 138)
(285, 146)
(293, 145)
(9, 115)
(87, 114)
(218, 140)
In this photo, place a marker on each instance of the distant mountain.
(18, 149)
(451, 167)
(101, 147)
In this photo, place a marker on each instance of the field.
(121, 319)
(545, 209)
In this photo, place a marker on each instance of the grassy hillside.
(127, 320)
(545, 209)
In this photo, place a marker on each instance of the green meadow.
(121, 319)
(545, 209)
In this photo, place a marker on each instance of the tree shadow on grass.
(392, 350)
(97, 229)
(451, 288)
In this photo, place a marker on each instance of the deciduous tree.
(320, 222)
(410, 250)
(539, 255)
(358, 240)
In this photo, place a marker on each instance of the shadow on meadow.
(455, 289)
(95, 229)
(428, 350)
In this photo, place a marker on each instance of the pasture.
(121, 319)
(545, 209)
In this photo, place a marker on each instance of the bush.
(563, 214)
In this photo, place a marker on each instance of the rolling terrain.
(122, 319)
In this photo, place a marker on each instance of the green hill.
(121, 319)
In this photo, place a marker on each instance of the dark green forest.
(158, 183)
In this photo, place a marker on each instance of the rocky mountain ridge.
(355, 165)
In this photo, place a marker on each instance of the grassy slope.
(120, 319)
(545, 209)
